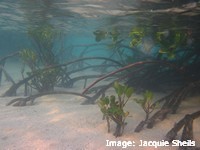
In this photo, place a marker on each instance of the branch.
(177, 127)
(8, 56)
(12, 90)
(131, 66)
(8, 77)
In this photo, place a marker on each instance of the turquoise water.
(165, 30)
(77, 20)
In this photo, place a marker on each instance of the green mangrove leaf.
(100, 103)
(140, 101)
(112, 100)
(148, 95)
(115, 111)
(169, 41)
(129, 92)
(44, 33)
(119, 89)
(29, 57)
(104, 101)
(103, 110)
(136, 35)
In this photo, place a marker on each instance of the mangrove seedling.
(44, 38)
(147, 106)
(112, 107)
(45, 80)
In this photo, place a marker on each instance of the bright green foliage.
(136, 35)
(44, 38)
(113, 108)
(44, 79)
(146, 103)
(109, 106)
(169, 41)
(123, 90)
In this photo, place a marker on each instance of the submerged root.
(187, 124)
(119, 129)
(172, 102)
(140, 126)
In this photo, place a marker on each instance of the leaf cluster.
(122, 91)
(28, 56)
(45, 79)
(110, 106)
(113, 107)
(136, 35)
(169, 41)
(146, 102)
(44, 38)
(45, 34)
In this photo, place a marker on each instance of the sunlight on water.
(67, 15)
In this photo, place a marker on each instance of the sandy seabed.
(60, 122)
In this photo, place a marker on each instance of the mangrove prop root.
(140, 126)
(118, 130)
(152, 120)
(91, 67)
(8, 56)
(1, 69)
(186, 122)
(73, 80)
(8, 77)
(108, 123)
(101, 92)
(165, 109)
(131, 66)
(172, 102)
(12, 90)
(23, 101)
(82, 59)
(188, 129)
(2, 63)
